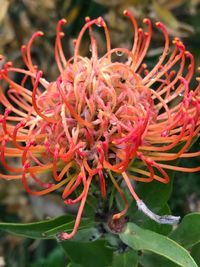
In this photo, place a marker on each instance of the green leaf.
(126, 259)
(152, 260)
(87, 235)
(88, 254)
(195, 252)
(188, 232)
(43, 229)
(142, 239)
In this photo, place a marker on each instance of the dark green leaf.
(43, 229)
(142, 239)
(126, 259)
(195, 252)
(188, 232)
(88, 254)
(152, 260)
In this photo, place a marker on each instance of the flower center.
(99, 113)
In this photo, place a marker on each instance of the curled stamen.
(28, 51)
(59, 55)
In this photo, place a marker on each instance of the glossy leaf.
(43, 229)
(142, 239)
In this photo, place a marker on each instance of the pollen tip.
(146, 21)
(159, 24)
(23, 47)
(8, 64)
(39, 33)
(61, 34)
(180, 45)
(140, 30)
(100, 22)
(62, 21)
(187, 53)
(87, 19)
(126, 12)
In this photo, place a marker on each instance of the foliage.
(96, 246)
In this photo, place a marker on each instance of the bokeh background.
(18, 20)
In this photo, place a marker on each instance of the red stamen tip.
(61, 34)
(23, 47)
(126, 12)
(8, 64)
(87, 19)
(39, 33)
(100, 22)
(160, 25)
(62, 21)
(140, 31)
(146, 21)
(187, 53)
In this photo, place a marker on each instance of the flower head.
(101, 118)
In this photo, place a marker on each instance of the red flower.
(100, 118)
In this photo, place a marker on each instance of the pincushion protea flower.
(101, 119)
